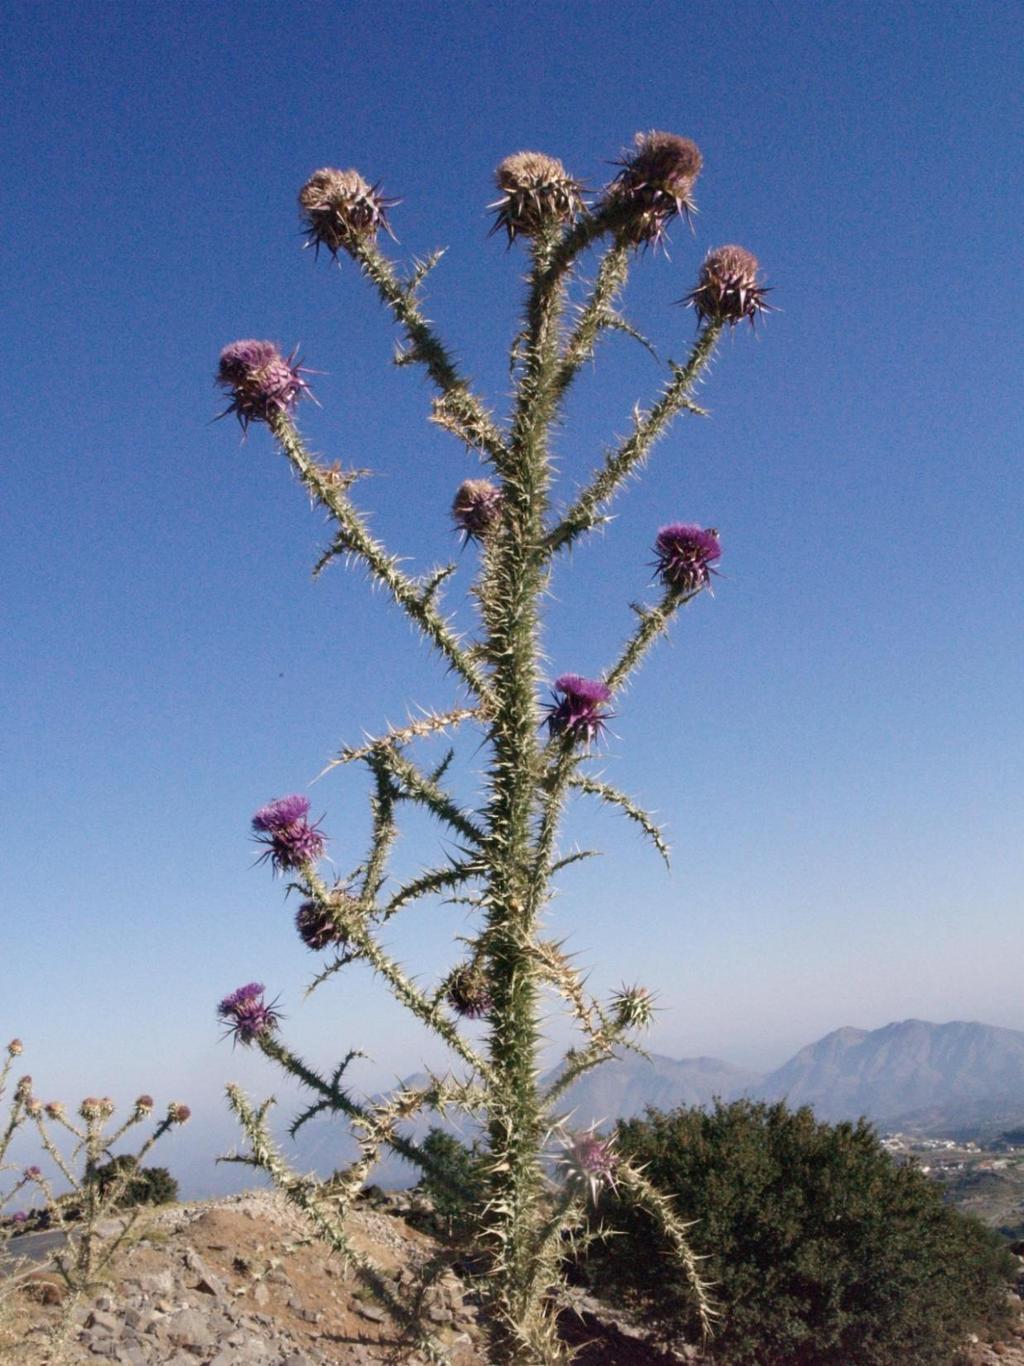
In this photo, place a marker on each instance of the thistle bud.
(339, 210)
(143, 1106)
(24, 1088)
(32, 1174)
(477, 507)
(468, 993)
(536, 192)
(317, 921)
(91, 1108)
(55, 1109)
(15, 1047)
(633, 1007)
(178, 1113)
(589, 1162)
(655, 184)
(261, 382)
(33, 1107)
(727, 290)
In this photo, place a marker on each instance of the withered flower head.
(655, 184)
(178, 1113)
(468, 993)
(318, 921)
(536, 192)
(55, 1109)
(15, 1047)
(143, 1106)
(476, 507)
(340, 209)
(727, 290)
(262, 383)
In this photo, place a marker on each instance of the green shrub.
(454, 1181)
(142, 1185)
(825, 1250)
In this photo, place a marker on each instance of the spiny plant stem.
(586, 512)
(611, 280)
(427, 348)
(357, 540)
(654, 622)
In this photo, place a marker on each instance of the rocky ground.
(239, 1282)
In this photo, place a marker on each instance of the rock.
(107, 1323)
(373, 1312)
(210, 1285)
(260, 1294)
(188, 1328)
(157, 1283)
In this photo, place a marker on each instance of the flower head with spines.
(340, 209)
(536, 192)
(283, 826)
(727, 290)
(578, 714)
(263, 383)
(247, 1015)
(654, 186)
(687, 554)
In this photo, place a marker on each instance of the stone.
(373, 1312)
(107, 1323)
(157, 1283)
(187, 1328)
(260, 1294)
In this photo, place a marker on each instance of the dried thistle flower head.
(317, 921)
(247, 1015)
(536, 192)
(33, 1107)
(91, 1108)
(24, 1088)
(178, 1113)
(15, 1047)
(468, 993)
(55, 1109)
(655, 184)
(728, 290)
(340, 209)
(262, 383)
(687, 554)
(32, 1174)
(589, 1162)
(143, 1106)
(577, 712)
(476, 507)
(291, 841)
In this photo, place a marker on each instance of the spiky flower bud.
(318, 922)
(655, 184)
(15, 1047)
(91, 1108)
(633, 1007)
(143, 1106)
(32, 1174)
(589, 1162)
(340, 209)
(727, 290)
(33, 1107)
(536, 192)
(55, 1109)
(577, 711)
(178, 1113)
(291, 841)
(262, 383)
(247, 1015)
(24, 1088)
(477, 507)
(468, 993)
(686, 555)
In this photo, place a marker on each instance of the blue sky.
(833, 741)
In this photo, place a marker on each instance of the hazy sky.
(833, 741)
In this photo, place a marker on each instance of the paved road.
(37, 1247)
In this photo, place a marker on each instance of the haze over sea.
(833, 741)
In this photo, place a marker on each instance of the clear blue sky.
(834, 741)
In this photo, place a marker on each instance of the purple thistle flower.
(291, 841)
(577, 713)
(19, 1217)
(536, 191)
(261, 382)
(477, 507)
(686, 555)
(246, 1014)
(468, 993)
(655, 184)
(589, 1162)
(727, 290)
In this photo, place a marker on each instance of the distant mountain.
(943, 1079)
(910, 1075)
(626, 1086)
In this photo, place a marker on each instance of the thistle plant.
(539, 750)
(91, 1194)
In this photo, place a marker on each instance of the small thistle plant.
(540, 1175)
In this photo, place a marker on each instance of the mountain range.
(957, 1080)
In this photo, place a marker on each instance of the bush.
(825, 1250)
(454, 1182)
(143, 1186)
